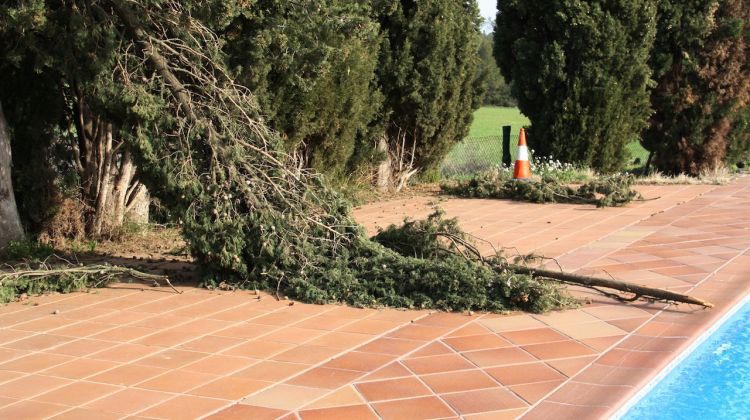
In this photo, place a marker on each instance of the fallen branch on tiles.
(596, 282)
(30, 280)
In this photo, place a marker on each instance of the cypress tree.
(429, 76)
(311, 65)
(700, 63)
(579, 69)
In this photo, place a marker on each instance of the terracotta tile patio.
(124, 351)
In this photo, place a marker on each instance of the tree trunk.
(385, 169)
(109, 184)
(10, 223)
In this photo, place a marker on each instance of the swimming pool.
(713, 381)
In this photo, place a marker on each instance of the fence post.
(506, 146)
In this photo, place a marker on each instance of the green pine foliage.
(311, 65)
(429, 74)
(604, 191)
(700, 64)
(579, 69)
(497, 91)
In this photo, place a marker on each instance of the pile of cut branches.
(35, 278)
(604, 191)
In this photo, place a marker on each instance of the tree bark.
(10, 222)
(109, 183)
(385, 169)
(636, 290)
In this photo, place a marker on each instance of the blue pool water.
(712, 382)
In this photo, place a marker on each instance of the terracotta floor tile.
(83, 329)
(612, 375)
(512, 323)
(184, 407)
(392, 346)
(362, 362)
(576, 393)
(86, 413)
(590, 330)
(177, 381)
(285, 397)
(271, 371)
(129, 401)
(340, 340)
(437, 364)
(392, 370)
(534, 336)
(573, 316)
(293, 335)
(123, 334)
(258, 349)
(476, 342)
(525, 373)
(230, 387)
(614, 312)
(6, 375)
(413, 409)
(464, 380)
(339, 413)
(211, 344)
(325, 378)
(30, 385)
(344, 396)
(246, 331)
(628, 324)
(550, 410)
(127, 375)
(125, 353)
(484, 400)
(77, 393)
(81, 348)
(79, 368)
(324, 322)
(243, 313)
(533, 393)
(8, 335)
(370, 326)
(498, 357)
(472, 329)
(559, 350)
(35, 362)
(601, 344)
(31, 410)
(282, 318)
(39, 342)
(634, 359)
(570, 367)
(446, 319)
(246, 412)
(436, 348)
(497, 415)
(218, 364)
(392, 389)
(44, 324)
(419, 332)
(307, 354)
(171, 359)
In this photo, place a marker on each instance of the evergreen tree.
(311, 64)
(497, 92)
(429, 76)
(579, 69)
(700, 63)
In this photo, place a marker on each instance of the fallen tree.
(251, 217)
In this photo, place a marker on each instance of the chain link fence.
(475, 155)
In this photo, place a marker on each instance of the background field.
(482, 149)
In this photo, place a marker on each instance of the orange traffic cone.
(522, 170)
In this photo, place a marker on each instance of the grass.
(489, 120)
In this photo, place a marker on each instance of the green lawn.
(489, 120)
(482, 149)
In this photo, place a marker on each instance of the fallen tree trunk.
(593, 282)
